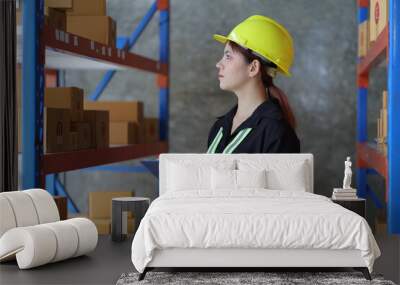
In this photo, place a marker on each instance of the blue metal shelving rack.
(40, 169)
(370, 160)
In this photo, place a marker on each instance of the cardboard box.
(77, 115)
(18, 17)
(56, 130)
(119, 110)
(384, 99)
(123, 133)
(100, 29)
(378, 17)
(55, 18)
(61, 203)
(88, 8)
(384, 122)
(79, 7)
(74, 143)
(84, 134)
(103, 226)
(363, 40)
(151, 130)
(100, 127)
(100, 203)
(64, 97)
(62, 4)
(379, 129)
(131, 225)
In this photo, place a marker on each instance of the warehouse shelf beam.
(127, 44)
(69, 43)
(66, 161)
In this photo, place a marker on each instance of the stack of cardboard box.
(63, 107)
(67, 127)
(378, 18)
(55, 18)
(87, 18)
(382, 125)
(126, 120)
(100, 210)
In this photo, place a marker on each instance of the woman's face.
(232, 70)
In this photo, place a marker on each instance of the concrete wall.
(322, 91)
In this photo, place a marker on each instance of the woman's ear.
(254, 68)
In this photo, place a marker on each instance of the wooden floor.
(103, 266)
(110, 259)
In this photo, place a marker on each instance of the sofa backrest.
(278, 162)
(26, 208)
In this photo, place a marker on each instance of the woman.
(262, 120)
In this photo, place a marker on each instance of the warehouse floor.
(103, 266)
(110, 259)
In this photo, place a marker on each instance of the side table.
(120, 206)
(356, 205)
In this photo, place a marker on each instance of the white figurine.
(347, 174)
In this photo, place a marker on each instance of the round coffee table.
(120, 207)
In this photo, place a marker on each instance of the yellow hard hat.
(266, 37)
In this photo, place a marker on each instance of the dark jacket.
(270, 132)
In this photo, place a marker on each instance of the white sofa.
(168, 238)
(31, 231)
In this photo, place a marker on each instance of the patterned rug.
(229, 278)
